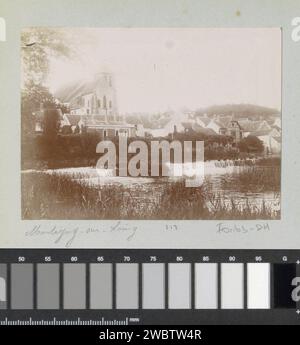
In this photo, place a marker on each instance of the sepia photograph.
(150, 123)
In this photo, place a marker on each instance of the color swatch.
(153, 286)
(232, 286)
(101, 286)
(258, 286)
(48, 286)
(127, 286)
(206, 286)
(21, 286)
(180, 286)
(283, 275)
(74, 296)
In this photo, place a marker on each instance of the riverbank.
(61, 196)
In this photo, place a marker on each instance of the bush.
(251, 144)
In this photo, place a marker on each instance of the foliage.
(254, 179)
(51, 122)
(31, 98)
(251, 144)
(38, 45)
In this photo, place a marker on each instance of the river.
(214, 171)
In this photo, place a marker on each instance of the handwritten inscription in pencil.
(223, 228)
(67, 236)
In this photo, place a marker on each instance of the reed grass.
(254, 179)
(58, 196)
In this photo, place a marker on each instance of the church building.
(94, 106)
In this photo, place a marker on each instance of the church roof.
(93, 120)
(71, 91)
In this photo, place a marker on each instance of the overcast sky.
(159, 69)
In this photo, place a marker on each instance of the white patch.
(2, 290)
(296, 30)
(2, 30)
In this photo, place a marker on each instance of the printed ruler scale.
(76, 322)
(128, 286)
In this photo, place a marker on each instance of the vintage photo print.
(150, 123)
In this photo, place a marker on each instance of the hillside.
(250, 111)
(254, 112)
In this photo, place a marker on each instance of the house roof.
(160, 132)
(75, 104)
(92, 120)
(110, 125)
(233, 122)
(260, 133)
(39, 114)
(221, 121)
(73, 119)
(206, 131)
(224, 121)
(250, 126)
(170, 125)
(278, 139)
(276, 127)
(203, 119)
(187, 124)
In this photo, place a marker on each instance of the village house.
(237, 129)
(71, 123)
(38, 121)
(96, 124)
(271, 140)
(173, 126)
(227, 126)
(270, 135)
(223, 125)
(233, 129)
(249, 126)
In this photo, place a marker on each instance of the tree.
(38, 45)
(31, 99)
(251, 144)
(51, 122)
(77, 129)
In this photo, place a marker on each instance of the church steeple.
(106, 95)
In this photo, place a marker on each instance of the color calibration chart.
(121, 286)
